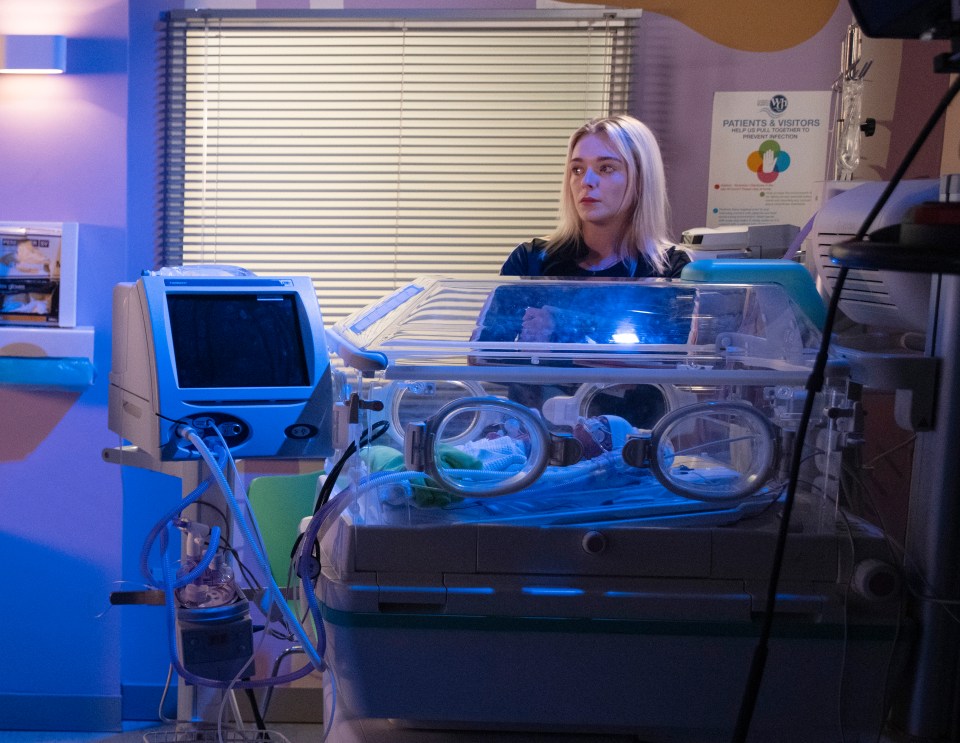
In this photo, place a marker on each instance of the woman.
(613, 224)
(613, 210)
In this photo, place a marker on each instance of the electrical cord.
(229, 698)
(846, 624)
(367, 437)
(885, 699)
(898, 553)
(162, 533)
(163, 696)
(815, 385)
(257, 717)
(314, 653)
(326, 489)
(171, 608)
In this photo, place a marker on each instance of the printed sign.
(768, 155)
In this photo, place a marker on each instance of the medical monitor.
(237, 358)
(904, 19)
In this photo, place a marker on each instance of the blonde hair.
(645, 232)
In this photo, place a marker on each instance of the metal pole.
(932, 559)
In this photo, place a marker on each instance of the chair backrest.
(279, 503)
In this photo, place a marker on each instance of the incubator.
(563, 511)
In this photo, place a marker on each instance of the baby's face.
(593, 435)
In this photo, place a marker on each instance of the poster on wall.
(768, 155)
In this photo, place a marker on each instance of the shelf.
(46, 357)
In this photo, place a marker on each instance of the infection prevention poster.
(768, 156)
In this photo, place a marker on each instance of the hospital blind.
(365, 152)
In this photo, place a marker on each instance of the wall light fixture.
(38, 55)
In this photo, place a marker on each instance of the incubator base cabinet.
(565, 508)
(488, 626)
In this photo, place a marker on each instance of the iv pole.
(848, 90)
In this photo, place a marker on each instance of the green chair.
(279, 503)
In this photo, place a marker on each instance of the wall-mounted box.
(38, 273)
(40, 342)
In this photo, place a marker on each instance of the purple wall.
(63, 149)
(679, 71)
(80, 147)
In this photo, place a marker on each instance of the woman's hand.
(537, 324)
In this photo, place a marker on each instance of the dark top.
(529, 259)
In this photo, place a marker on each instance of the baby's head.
(601, 434)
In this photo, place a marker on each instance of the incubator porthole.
(642, 405)
(510, 456)
(416, 401)
(714, 450)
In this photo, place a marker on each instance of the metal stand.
(933, 535)
(192, 701)
(928, 710)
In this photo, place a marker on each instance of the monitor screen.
(903, 19)
(237, 340)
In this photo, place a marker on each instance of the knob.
(593, 543)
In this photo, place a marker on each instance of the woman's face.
(598, 181)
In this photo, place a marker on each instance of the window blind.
(365, 152)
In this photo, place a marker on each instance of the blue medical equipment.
(240, 357)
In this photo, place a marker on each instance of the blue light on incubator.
(473, 590)
(385, 308)
(469, 590)
(661, 595)
(551, 591)
(627, 337)
(626, 332)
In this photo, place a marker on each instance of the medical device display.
(545, 466)
(873, 297)
(237, 357)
